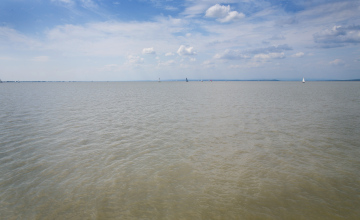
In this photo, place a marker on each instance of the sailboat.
(303, 80)
(187, 80)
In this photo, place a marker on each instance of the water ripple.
(221, 150)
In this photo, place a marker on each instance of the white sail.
(303, 80)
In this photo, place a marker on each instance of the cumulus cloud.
(337, 62)
(186, 51)
(148, 51)
(217, 11)
(338, 36)
(135, 59)
(231, 55)
(300, 54)
(223, 13)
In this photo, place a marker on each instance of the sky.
(125, 40)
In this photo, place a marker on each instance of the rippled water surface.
(176, 150)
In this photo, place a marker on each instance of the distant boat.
(187, 80)
(303, 80)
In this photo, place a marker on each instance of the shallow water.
(176, 150)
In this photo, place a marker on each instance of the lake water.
(177, 150)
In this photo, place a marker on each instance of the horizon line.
(179, 80)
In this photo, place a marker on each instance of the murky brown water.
(176, 150)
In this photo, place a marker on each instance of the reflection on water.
(174, 150)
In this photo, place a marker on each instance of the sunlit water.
(177, 150)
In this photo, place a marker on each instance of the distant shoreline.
(207, 80)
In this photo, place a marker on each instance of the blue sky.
(116, 40)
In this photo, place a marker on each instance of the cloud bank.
(338, 36)
(270, 37)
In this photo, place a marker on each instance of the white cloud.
(223, 13)
(208, 64)
(167, 63)
(338, 36)
(270, 56)
(89, 4)
(185, 51)
(300, 54)
(271, 49)
(233, 15)
(40, 59)
(112, 40)
(65, 2)
(135, 59)
(231, 55)
(217, 11)
(109, 38)
(10, 36)
(169, 54)
(337, 62)
(195, 8)
(270, 52)
(170, 8)
(148, 51)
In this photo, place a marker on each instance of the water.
(176, 150)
